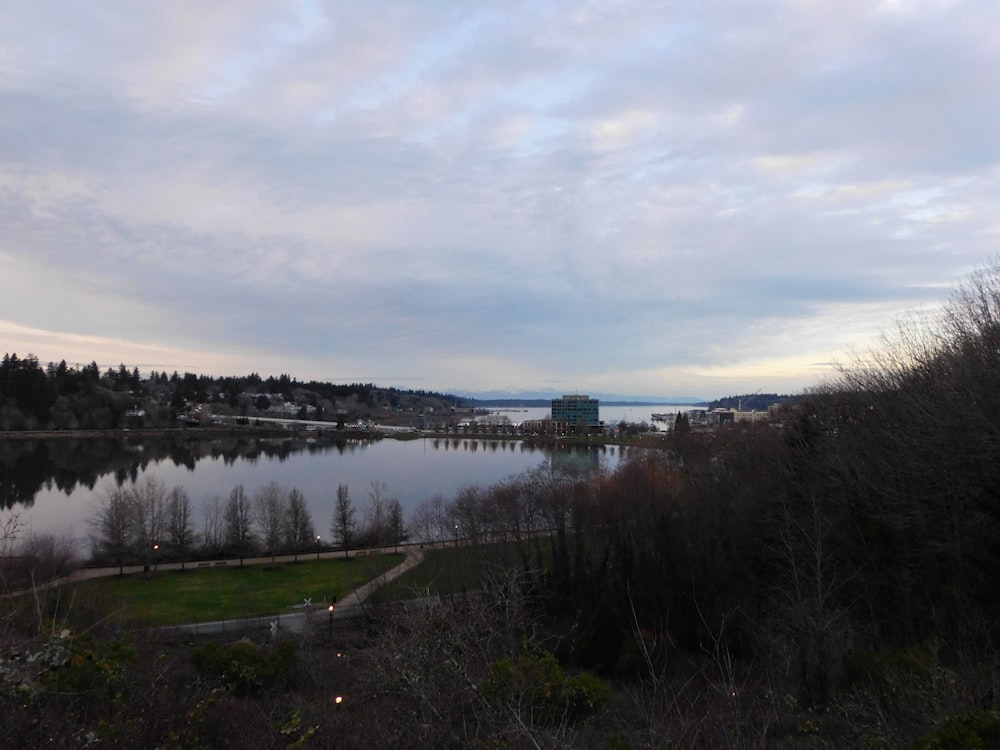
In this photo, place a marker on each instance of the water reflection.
(28, 467)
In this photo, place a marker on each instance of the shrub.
(244, 667)
(912, 675)
(539, 683)
(970, 730)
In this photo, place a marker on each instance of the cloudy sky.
(666, 198)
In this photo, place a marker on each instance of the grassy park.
(206, 594)
(453, 570)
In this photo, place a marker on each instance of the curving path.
(297, 621)
(84, 574)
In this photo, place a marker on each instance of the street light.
(156, 549)
(317, 546)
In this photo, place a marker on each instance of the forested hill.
(752, 401)
(63, 397)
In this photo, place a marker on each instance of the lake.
(55, 485)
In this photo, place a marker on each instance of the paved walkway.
(294, 621)
(414, 556)
(298, 620)
(84, 574)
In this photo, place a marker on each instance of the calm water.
(412, 471)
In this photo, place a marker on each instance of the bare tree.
(180, 531)
(111, 527)
(148, 509)
(213, 533)
(127, 523)
(10, 531)
(376, 516)
(467, 508)
(470, 671)
(429, 523)
(299, 531)
(238, 522)
(269, 513)
(506, 503)
(344, 526)
(50, 556)
(910, 430)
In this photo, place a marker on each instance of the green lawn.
(205, 594)
(453, 570)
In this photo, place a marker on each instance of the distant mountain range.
(527, 398)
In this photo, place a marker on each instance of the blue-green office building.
(579, 412)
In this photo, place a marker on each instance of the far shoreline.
(351, 434)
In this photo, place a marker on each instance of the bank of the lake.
(60, 502)
(54, 485)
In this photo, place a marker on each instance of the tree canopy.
(66, 397)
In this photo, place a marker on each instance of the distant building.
(542, 427)
(728, 417)
(580, 413)
(753, 416)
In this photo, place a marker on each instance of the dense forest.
(61, 397)
(828, 583)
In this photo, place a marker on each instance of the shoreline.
(157, 432)
(198, 433)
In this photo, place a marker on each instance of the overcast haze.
(634, 197)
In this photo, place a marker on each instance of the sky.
(670, 198)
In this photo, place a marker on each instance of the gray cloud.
(631, 196)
